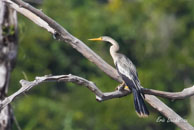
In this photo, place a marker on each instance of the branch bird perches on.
(100, 96)
(42, 20)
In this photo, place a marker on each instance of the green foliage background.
(156, 35)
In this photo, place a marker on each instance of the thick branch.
(8, 53)
(169, 113)
(62, 34)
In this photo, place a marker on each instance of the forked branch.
(100, 96)
(27, 85)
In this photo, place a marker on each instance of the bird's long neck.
(113, 49)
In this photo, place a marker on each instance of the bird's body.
(127, 71)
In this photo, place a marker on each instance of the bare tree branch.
(100, 96)
(42, 20)
(27, 85)
(187, 92)
(168, 113)
(59, 32)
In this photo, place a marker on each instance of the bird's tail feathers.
(139, 103)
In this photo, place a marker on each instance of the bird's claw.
(121, 87)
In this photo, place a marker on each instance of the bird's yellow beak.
(96, 39)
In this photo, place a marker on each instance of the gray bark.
(8, 53)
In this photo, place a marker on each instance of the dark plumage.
(127, 71)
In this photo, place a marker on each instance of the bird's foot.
(126, 88)
(122, 86)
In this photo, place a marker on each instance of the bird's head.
(114, 46)
(102, 38)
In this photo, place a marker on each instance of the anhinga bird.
(127, 71)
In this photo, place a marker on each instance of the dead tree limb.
(61, 34)
(100, 96)
(27, 85)
(187, 92)
(8, 53)
(38, 17)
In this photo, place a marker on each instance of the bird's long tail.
(140, 106)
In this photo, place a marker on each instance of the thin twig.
(16, 123)
(187, 92)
